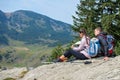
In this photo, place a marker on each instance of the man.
(104, 46)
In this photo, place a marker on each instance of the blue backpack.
(94, 47)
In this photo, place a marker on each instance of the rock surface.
(77, 70)
(15, 73)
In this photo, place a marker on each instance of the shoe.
(58, 60)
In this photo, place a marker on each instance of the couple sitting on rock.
(81, 52)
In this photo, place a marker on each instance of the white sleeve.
(81, 46)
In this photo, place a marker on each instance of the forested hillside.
(31, 27)
(27, 37)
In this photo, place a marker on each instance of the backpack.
(111, 44)
(94, 47)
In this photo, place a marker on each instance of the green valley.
(26, 37)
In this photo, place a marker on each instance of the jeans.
(76, 54)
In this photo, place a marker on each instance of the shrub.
(9, 78)
(56, 52)
(23, 74)
(117, 48)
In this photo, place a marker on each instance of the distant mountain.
(3, 28)
(31, 28)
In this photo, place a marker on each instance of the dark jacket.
(103, 43)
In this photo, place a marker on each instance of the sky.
(61, 10)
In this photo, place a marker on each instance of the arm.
(104, 44)
(81, 46)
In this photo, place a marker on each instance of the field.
(19, 54)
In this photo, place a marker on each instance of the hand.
(72, 46)
(106, 58)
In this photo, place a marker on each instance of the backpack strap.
(87, 39)
(104, 37)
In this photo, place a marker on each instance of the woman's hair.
(86, 36)
(83, 31)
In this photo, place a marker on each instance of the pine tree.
(98, 13)
(86, 16)
(95, 13)
(109, 16)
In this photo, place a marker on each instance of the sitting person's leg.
(70, 53)
(76, 54)
(65, 56)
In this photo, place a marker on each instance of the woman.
(79, 52)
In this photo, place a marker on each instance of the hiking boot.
(61, 59)
(57, 60)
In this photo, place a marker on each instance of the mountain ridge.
(31, 27)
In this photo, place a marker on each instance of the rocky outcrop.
(77, 70)
(15, 73)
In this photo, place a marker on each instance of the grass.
(9, 79)
(24, 54)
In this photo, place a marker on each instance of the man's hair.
(99, 29)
